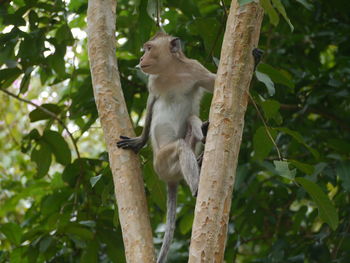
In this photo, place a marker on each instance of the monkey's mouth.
(145, 66)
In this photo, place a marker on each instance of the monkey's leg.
(205, 126)
(178, 158)
(188, 166)
(194, 132)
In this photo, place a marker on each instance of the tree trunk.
(125, 165)
(227, 111)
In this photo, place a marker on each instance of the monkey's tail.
(170, 222)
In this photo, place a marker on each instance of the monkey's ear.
(175, 45)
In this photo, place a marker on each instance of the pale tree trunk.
(224, 137)
(125, 165)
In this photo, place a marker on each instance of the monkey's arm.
(206, 81)
(137, 143)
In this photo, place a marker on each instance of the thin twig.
(266, 127)
(335, 251)
(324, 114)
(158, 14)
(224, 6)
(224, 18)
(53, 115)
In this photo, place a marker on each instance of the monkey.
(176, 85)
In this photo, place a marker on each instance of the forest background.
(56, 199)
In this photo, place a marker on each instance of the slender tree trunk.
(125, 165)
(227, 111)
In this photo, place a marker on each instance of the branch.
(323, 113)
(266, 127)
(158, 14)
(228, 107)
(115, 121)
(222, 26)
(50, 113)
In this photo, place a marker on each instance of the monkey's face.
(157, 56)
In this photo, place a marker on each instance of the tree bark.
(125, 165)
(224, 137)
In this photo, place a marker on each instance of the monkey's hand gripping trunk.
(134, 144)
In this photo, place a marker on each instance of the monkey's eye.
(147, 48)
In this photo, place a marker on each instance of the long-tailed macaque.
(175, 86)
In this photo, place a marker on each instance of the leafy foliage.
(62, 209)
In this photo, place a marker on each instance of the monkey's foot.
(205, 126)
(257, 54)
(200, 160)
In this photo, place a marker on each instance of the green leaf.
(339, 145)
(262, 142)
(52, 203)
(33, 19)
(64, 35)
(32, 254)
(42, 158)
(282, 11)
(13, 232)
(114, 242)
(297, 136)
(71, 172)
(76, 5)
(25, 80)
(305, 168)
(343, 171)
(276, 75)
(283, 169)
(209, 34)
(241, 175)
(244, 2)
(32, 47)
(8, 76)
(306, 4)
(90, 253)
(268, 8)
(16, 255)
(267, 81)
(45, 244)
(94, 180)
(58, 146)
(38, 114)
(326, 209)
(271, 110)
(152, 8)
(79, 231)
(186, 223)
(88, 223)
(155, 186)
(56, 61)
(116, 222)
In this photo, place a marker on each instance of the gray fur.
(170, 222)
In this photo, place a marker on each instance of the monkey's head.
(160, 52)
